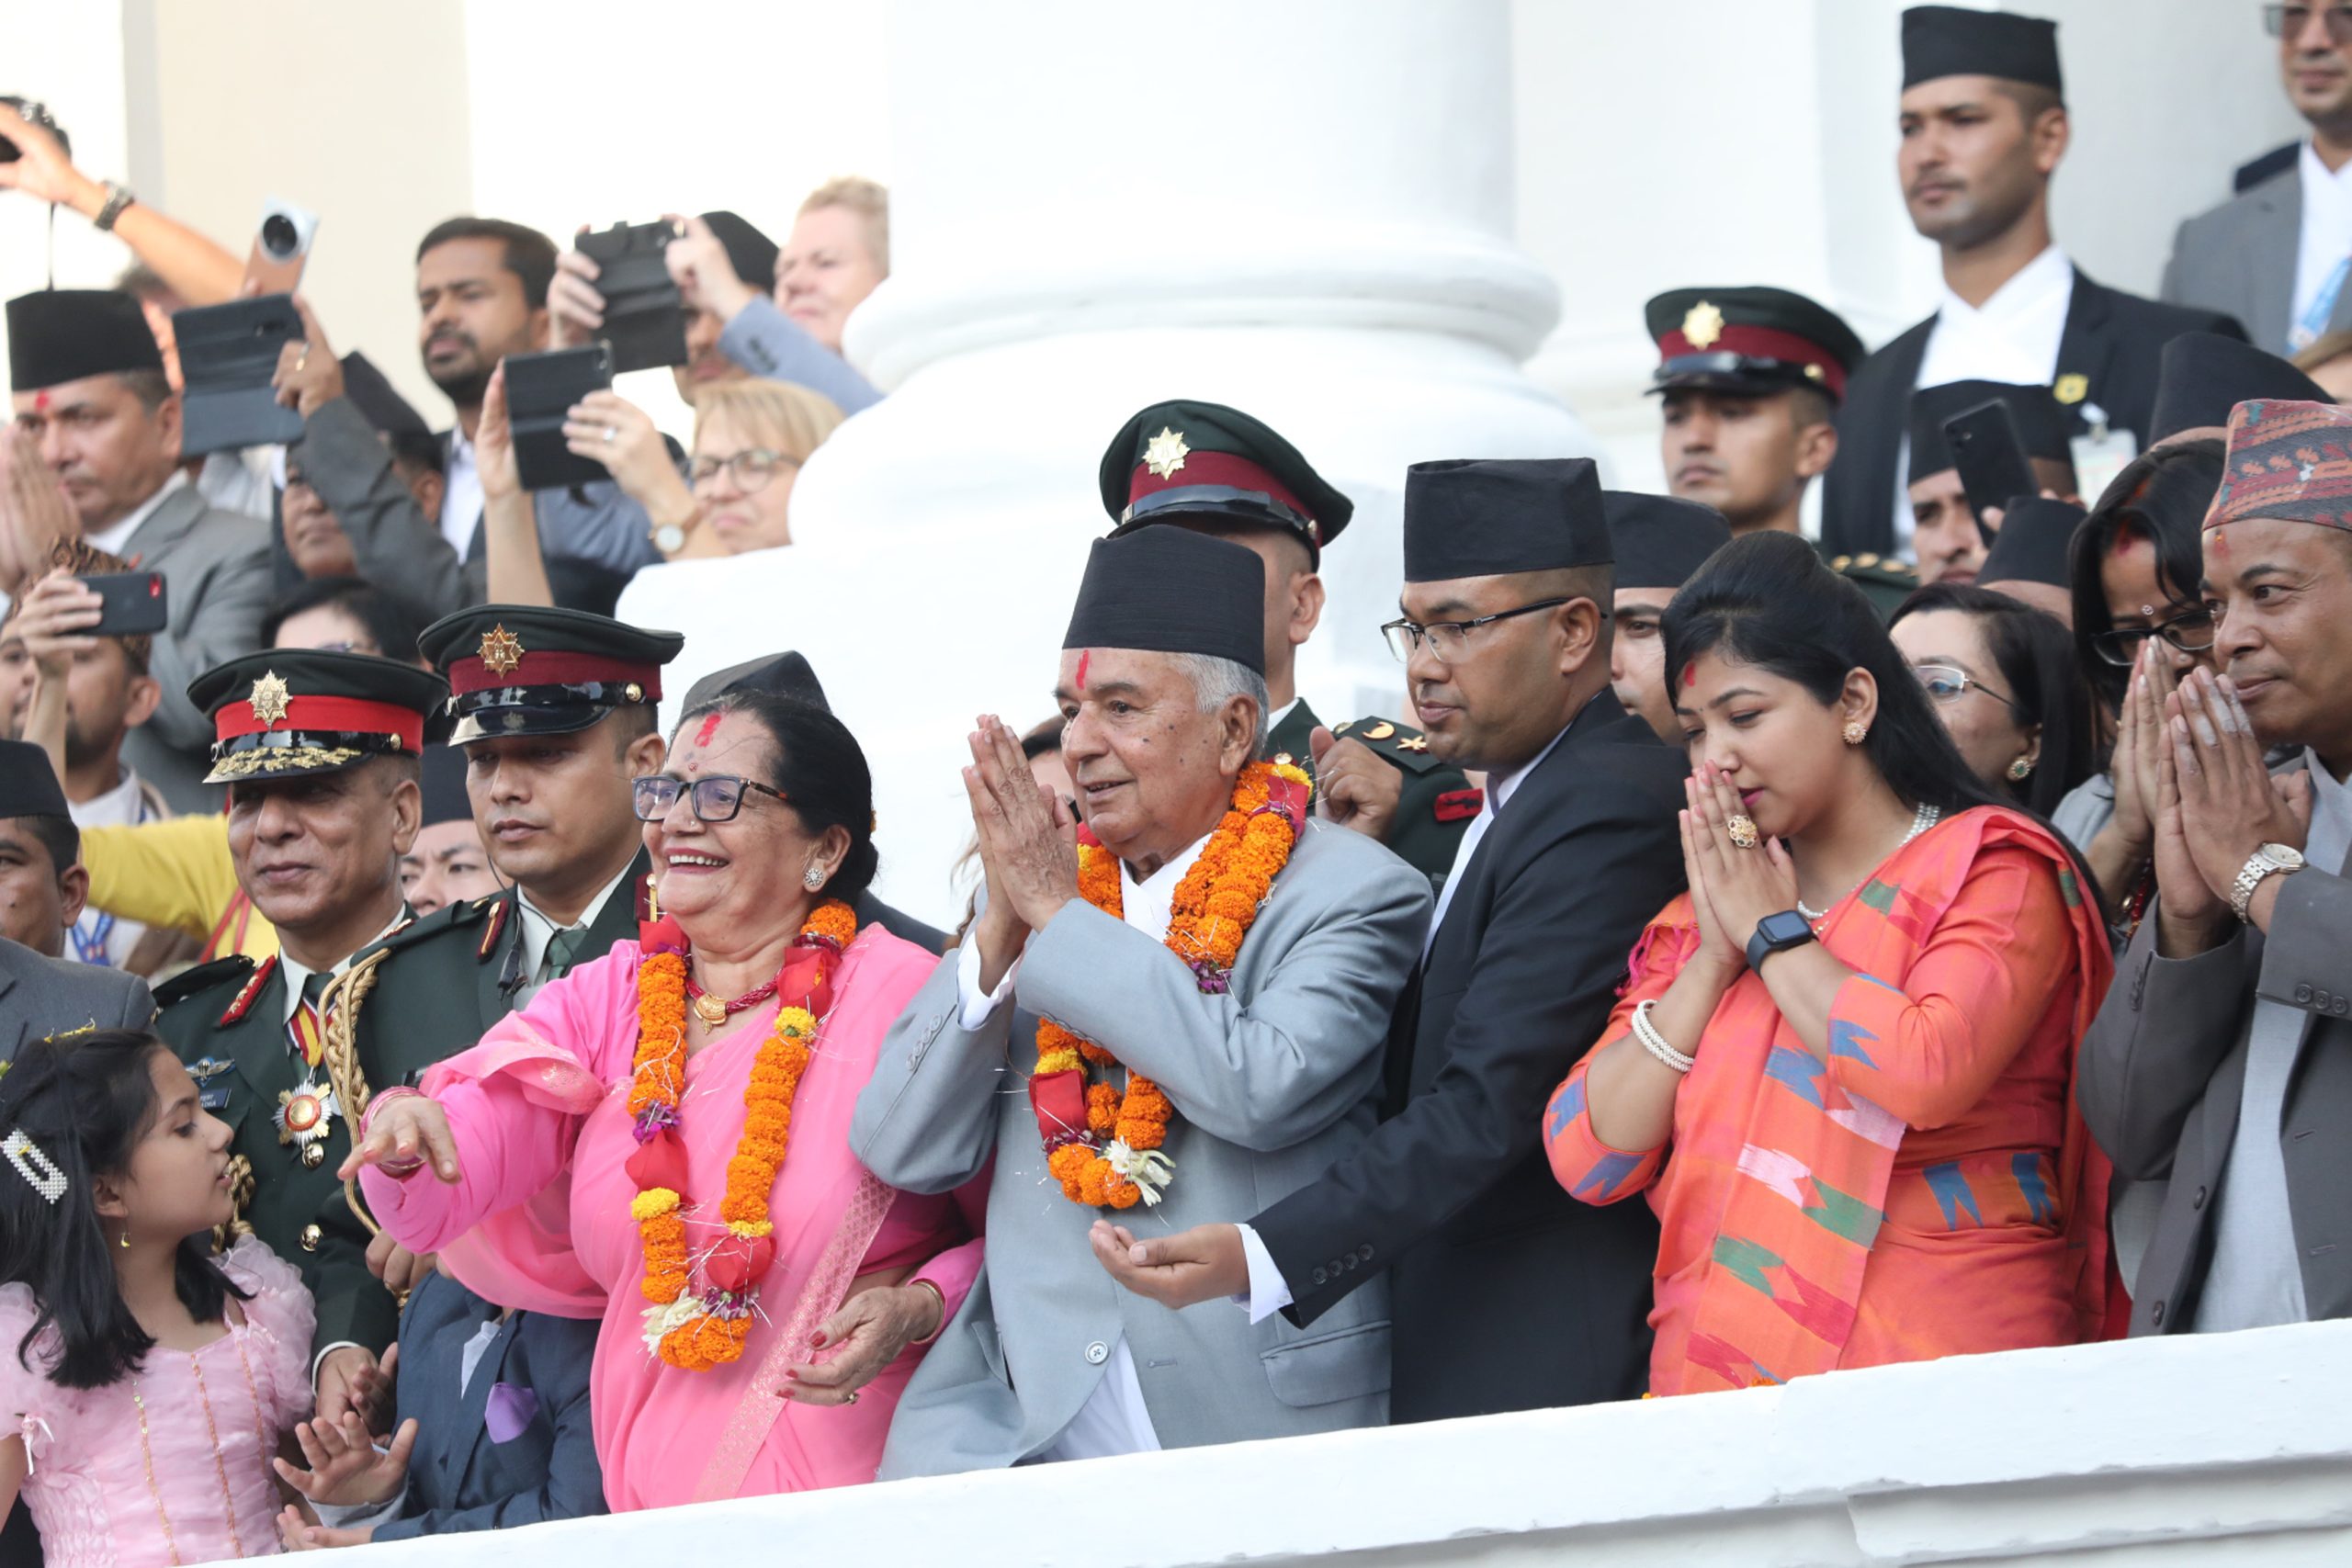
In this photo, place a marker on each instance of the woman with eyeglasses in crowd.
(2003, 678)
(660, 1139)
(2140, 620)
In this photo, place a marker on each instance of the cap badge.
(269, 697)
(2071, 388)
(1166, 452)
(1702, 324)
(501, 650)
(1816, 373)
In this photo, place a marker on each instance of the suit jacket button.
(2156, 1314)
(1351, 1260)
(310, 1238)
(1097, 1353)
(2303, 996)
(2198, 1201)
(2341, 1007)
(1365, 1252)
(1320, 1277)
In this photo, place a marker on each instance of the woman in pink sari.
(661, 1138)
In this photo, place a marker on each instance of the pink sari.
(541, 1220)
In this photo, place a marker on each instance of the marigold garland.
(697, 1330)
(1113, 1160)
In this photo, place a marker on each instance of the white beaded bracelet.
(1655, 1044)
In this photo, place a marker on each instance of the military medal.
(303, 1118)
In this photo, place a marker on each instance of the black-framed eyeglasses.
(2191, 631)
(1948, 683)
(750, 470)
(1450, 640)
(714, 798)
(2288, 22)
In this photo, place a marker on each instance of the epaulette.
(424, 928)
(1400, 744)
(1870, 567)
(203, 977)
(492, 930)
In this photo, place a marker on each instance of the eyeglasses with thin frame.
(714, 798)
(2288, 22)
(1948, 683)
(2191, 631)
(1450, 640)
(751, 468)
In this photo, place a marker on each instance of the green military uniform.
(1884, 580)
(1436, 804)
(281, 1084)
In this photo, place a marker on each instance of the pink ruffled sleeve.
(280, 1320)
(514, 1103)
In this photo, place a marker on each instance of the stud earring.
(2020, 770)
(813, 879)
(1856, 732)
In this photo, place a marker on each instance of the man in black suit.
(1505, 1294)
(1983, 126)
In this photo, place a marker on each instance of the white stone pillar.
(1301, 210)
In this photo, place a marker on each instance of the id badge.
(2099, 458)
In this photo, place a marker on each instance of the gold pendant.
(710, 1009)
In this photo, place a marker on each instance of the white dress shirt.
(1269, 1291)
(2012, 337)
(114, 538)
(539, 929)
(2255, 1279)
(2325, 237)
(461, 498)
(100, 936)
(1115, 1419)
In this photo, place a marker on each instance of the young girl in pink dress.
(144, 1382)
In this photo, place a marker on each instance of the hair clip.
(38, 1169)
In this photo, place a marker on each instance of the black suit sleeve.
(1546, 974)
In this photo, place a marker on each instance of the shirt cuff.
(363, 1516)
(1269, 1291)
(325, 1350)
(974, 1010)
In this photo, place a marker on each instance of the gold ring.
(1743, 831)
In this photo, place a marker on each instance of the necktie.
(306, 1031)
(563, 947)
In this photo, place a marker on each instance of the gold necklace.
(220, 1465)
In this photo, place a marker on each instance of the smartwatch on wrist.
(1777, 933)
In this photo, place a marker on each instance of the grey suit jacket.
(1271, 1082)
(41, 996)
(2164, 1069)
(2240, 257)
(216, 567)
(393, 543)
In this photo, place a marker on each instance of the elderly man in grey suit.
(2223, 1057)
(96, 451)
(1266, 1067)
(2277, 255)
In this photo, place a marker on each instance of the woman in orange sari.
(1842, 1067)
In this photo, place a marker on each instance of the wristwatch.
(1778, 933)
(118, 198)
(2268, 860)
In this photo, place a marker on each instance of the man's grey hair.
(1217, 681)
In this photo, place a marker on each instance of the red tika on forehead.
(1085, 657)
(40, 401)
(1690, 674)
(709, 727)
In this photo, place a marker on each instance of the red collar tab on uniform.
(1226, 468)
(472, 674)
(1766, 343)
(1459, 805)
(492, 929)
(325, 715)
(243, 1002)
